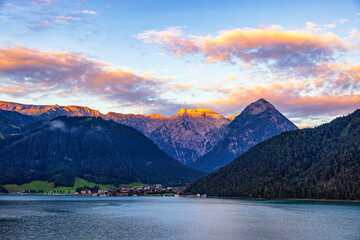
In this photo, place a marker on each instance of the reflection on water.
(77, 217)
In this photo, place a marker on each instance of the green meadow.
(46, 187)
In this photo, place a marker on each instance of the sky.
(157, 56)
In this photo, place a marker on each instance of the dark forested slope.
(13, 123)
(98, 150)
(323, 162)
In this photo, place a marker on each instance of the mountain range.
(101, 151)
(58, 144)
(185, 137)
(201, 138)
(320, 163)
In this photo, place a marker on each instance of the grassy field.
(34, 185)
(46, 187)
(133, 185)
(12, 187)
(79, 182)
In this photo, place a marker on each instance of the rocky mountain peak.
(259, 106)
(258, 122)
(198, 112)
(157, 116)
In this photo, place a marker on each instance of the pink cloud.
(172, 39)
(88, 12)
(26, 71)
(272, 45)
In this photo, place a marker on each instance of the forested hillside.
(95, 149)
(12, 123)
(323, 162)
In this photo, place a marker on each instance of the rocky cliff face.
(189, 134)
(143, 123)
(258, 122)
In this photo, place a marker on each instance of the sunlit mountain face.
(160, 57)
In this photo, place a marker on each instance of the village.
(145, 190)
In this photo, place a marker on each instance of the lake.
(82, 217)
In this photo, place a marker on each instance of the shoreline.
(219, 197)
(288, 199)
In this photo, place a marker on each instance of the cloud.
(26, 71)
(57, 124)
(57, 19)
(305, 78)
(51, 22)
(171, 39)
(338, 78)
(85, 12)
(310, 26)
(332, 88)
(45, 22)
(354, 35)
(227, 79)
(180, 88)
(331, 25)
(342, 21)
(67, 18)
(272, 45)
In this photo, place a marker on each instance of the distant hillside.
(91, 148)
(258, 122)
(13, 123)
(323, 162)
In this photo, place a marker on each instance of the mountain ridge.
(154, 126)
(186, 136)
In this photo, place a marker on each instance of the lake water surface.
(78, 217)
